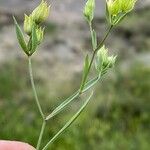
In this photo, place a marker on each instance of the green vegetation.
(119, 113)
(118, 117)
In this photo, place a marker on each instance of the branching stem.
(38, 103)
(93, 55)
(80, 92)
(34, 89)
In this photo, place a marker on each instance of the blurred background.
(118, 116)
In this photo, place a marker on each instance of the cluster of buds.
(116, 10)
(32, 28)
(89, 10)
(104, 61)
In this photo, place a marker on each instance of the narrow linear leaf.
(86, 65)
(91, 83)
(121, 18)
(94, 40)
(66, 102)
(34, 40)
(20, 37)
(30, 44)
(69, 123)
(85, 71)
(107, 13)
(97, 62)
(62, 105)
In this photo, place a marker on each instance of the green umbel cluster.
(104, 61)
(117, 9)
(33, 28)
(89, 10)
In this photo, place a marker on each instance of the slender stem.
(105, 37)
(93, 56)
(34, 90)
(38, 104)
(41, 135)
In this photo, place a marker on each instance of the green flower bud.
(113, 7)
(89, 10)
(103, 60)
(103, 56)
(40, 34)
(111, 61)
(117, 9)
(28, 24)
(40, 14)
(127, 5)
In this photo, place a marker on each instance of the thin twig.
(93, 56)
(41, 135)
(34, 90)
(38, 104)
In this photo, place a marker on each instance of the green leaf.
(107, 14)
(62, 105)
(66, 102)
(94, 40)
(98, 62)
(121, 18)
(91, 83)
(85, 72)
(89, 10)
(20, 37)
(30, 44)
(34, 40)
(69, 123)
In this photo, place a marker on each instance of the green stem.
(93, 56)
(37, 102)
(34, 90)
(41, 135)
(105, 37)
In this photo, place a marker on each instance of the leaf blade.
(70, 122)
(62, 105)
(85, 72)
(20, 37)
(66, 102)
(34, 40)
(94, 39)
